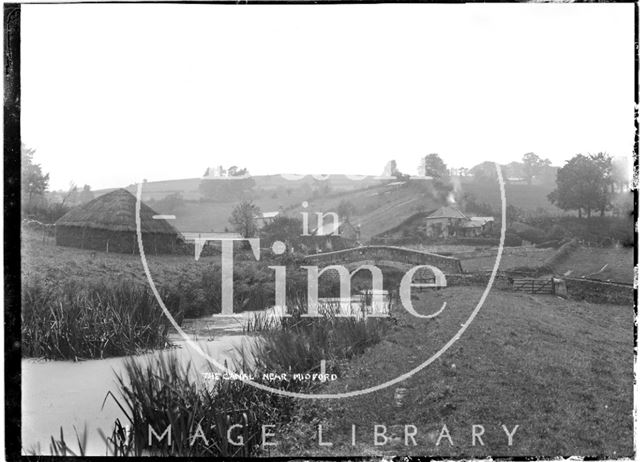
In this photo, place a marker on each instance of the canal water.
(66, 393)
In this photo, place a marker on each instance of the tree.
(71, 198)
(584, 183)
(34, 183)
(620, 174)
(282, 228)
(169, 204)
(390, 169)
(236, 171)
(533, 165)
(471, 205)
(484, 171)
(243, 219)
(433, 165)
(86, 195)
(346, 209)
(513, 214)
(605, 167)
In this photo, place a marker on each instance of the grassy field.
(512, 257)
(584, 262)
(598, 263)
(47, 260)
(561, 370)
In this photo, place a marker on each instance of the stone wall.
(599, 291)
(408, 257)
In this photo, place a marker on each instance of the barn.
(108, 223)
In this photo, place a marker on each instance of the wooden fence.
(533, 286)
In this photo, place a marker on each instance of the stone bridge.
(399, 258)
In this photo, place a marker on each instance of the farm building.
(450, 222)
(108, 223)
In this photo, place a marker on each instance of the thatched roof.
(115, 211)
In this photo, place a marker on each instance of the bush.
(602, 231)
(91, 319)
(200, 292)
(529, 233)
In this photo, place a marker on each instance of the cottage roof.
(448, 212)
(115, 211)
(482, 220)
(328, 229)
(269, 214)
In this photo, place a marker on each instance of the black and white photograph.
(320, 230)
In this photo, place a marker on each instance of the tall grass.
(164, 392)
(298, 344)
(79, 319)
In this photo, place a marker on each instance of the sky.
(113, 94)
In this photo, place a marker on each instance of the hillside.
(524, 196)
(380, 205)
(189, 187)
(562, 370)
(377, 208)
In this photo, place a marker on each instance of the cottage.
(108, 223)
(265, 218)
(334, 236)
(449, 222)
(445, 222)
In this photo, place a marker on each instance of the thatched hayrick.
(108, 223)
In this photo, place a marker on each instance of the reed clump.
(90, 318)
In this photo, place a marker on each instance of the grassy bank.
(560, 369)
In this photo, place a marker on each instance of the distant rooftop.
(448, 212)
(216, 236)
